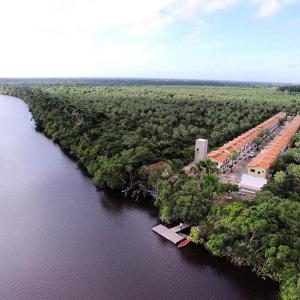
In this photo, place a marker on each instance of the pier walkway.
(179, 228)
(171, 234)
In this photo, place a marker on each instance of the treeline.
(130, 82)
(290, 88)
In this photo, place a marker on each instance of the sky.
(247, 40)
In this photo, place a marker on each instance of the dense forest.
(290, 88)
(116, 132)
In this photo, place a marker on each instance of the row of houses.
(254, 174)
(241, 145)
(260, 166)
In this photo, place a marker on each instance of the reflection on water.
(62, 239)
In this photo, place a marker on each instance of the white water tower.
(201, 149)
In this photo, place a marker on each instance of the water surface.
(62, 239)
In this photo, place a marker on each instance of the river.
(60, 238)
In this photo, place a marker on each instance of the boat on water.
(184, 243)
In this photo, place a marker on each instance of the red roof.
(159, 165)
(237, 144)
(266, 157)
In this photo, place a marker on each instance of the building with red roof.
(243, 143)
(260, 166)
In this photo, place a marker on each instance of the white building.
(201, 149)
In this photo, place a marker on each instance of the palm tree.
(210, 186)
(233, 156)
(205, 167)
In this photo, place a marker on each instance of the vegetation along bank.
(116, 132)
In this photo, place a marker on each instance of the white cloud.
(65, 37)
(69, 55)
(71, 37)
(134, 17)
(97, 15)
(267, 8)
(186, 10)
(211, 6)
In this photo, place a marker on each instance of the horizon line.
(147, 78)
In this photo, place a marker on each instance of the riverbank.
(63, 239)
(73, 125)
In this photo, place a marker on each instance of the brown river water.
(60, 238)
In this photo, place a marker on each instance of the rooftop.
(273, 150)
(237, 144)
(158, 166)
(255, 183)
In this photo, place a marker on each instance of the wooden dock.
(179, 228)
(171, 234)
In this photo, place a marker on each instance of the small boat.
(183, 243)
